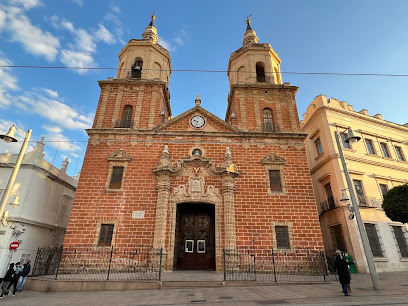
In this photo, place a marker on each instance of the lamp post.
(10, 138)
(363, 234)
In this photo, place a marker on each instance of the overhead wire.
(208, 71)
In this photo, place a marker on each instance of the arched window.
(126, 121)
(268, 120)
(260, 73)
(137, 68)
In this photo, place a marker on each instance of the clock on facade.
(197, 121)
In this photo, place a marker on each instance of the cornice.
(357, 159)
(359, 116)
(131, 81)
(35, 223)
(160, 133)
(43, 171)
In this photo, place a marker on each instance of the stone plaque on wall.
(138, 214)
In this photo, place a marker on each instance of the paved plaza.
(394, 292)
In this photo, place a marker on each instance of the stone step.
(191, 284)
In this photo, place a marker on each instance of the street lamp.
(363, 234)
(9, 137)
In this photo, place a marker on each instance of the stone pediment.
(273, 159)
(119, 155)
(213, 123)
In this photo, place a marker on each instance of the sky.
(365, 36)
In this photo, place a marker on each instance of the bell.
(351, 137)
(10, 135)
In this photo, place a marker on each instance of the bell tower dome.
(145, 58)
(254, 62)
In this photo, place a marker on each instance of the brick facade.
(160, 172)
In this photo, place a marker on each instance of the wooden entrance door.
(196, 243)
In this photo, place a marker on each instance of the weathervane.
(248, 21)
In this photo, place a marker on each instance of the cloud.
(180, 37)
(33, 39)
(2, 19)
(28, 4)
(77, 59)
(165, 44)
(104, 35)
(117, 23)
(79, 2)
(54, 135)
(80, 52)
(53, 110)
(8, 82)
(51, 93)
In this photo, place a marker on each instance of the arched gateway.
(192, 239)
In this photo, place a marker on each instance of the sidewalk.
(394, 292)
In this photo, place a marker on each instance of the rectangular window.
(370, 146)
(346, 145)
(384, 189)
(275, 180)
(401, 240)
(384, 149)
(319, 147)
(282, 237)
(105, 235)
(373, 239)
(358, 186)
(116, 178)
(400, 154)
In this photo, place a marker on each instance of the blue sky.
(310, 36)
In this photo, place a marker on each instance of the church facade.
(195, 184)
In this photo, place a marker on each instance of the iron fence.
(99, 263)
(271, 265)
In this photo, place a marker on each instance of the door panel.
(196, 244)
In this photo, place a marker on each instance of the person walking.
(6, 281)
(17, 273)
(24, 274)
(341, 266)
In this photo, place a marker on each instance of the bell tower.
(138, 98)
(258, 100)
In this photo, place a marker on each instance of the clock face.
(197, 121)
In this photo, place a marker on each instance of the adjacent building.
(377, 163)
(195, 184)
(45, 194)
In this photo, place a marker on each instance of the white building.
(46, 194)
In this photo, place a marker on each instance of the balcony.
(370, 202)
(263, 79)
(328, 204)
(123, 124)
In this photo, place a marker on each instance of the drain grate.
(225, 297)
(271, 302)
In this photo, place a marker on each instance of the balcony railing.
(328, 204)
(124, 124)
(366, 201)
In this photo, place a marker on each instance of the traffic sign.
(14, 245)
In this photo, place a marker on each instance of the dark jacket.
(9, 274)
(26, 270)
(341, 266)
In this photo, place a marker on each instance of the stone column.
(163, 193)
(228, 191)
(162, 171)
